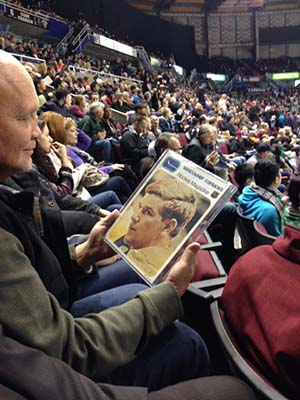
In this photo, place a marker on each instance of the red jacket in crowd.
(261, 301)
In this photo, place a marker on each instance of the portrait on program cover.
(156, 221)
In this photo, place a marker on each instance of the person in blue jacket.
(261, 200)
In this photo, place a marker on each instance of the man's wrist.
(82, 256)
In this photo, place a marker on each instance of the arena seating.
(262, 236)
(246, 231)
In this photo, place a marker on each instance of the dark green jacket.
(90, 126)
(94, 345)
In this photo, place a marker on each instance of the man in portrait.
(161, 214)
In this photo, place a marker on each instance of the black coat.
(16, 217)
(31, 213)
(196, 152)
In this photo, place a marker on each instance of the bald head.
(12, 75)
(18, 119)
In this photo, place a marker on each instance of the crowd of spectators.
(219, 64)
(82, 315)
(101, 135)
(49, 7)
(45, 6)
(249, 67)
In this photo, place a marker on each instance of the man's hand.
(183, 271)
(101, 135)
(117, 167)
(212, 159)
(95, 249)
(103, 213)
(231, 165)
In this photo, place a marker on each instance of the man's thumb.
(110, 219)
(190, 252)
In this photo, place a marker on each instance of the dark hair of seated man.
(265, 172)
(243, 175)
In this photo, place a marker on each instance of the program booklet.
(172, 207)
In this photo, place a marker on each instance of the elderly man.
(201, 150)
(91, 125)
(100, 346)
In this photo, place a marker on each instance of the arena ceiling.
(196, 6)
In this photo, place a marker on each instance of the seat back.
(182, 140)
(209, 265)
(262, 236)
(245, 226)
(239, 364)
(224, 148)
(232, 179)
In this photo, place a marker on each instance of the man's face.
(146, 223)
(154, 124)
(68, 100)
(141, 127)
(206, 138)
(18, 121)
(142, 111)
(99, 113)
(264, 155)
(174, 145)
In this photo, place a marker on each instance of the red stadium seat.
(262, 236)
(182, 139)
(209, 265)
(245, 226)
(224, 148)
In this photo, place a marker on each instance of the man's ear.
(170, 225)
(277, 180)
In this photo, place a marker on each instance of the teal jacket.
(254, 206)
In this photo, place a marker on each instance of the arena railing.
(25, 59)
(101, 75)
(40, 14)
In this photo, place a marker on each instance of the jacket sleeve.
(193, 153)
(65, 183)
(163, 125)
(85, 125)
(94, 345)
(69, 202)
(271, 221)
(84, 141)
(31, 373)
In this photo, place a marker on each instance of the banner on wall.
(284, 76)
(114, 45)
(258, 90)
(28, 18)
(216, 77)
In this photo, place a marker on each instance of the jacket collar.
(17, 200)
(288, 245)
